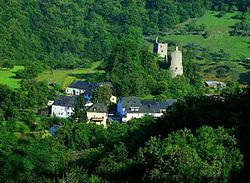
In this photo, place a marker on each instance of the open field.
(64, 77)
(7, 77)
(219, 38)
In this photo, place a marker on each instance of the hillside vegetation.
(219, 38)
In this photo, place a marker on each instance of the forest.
(200, 139)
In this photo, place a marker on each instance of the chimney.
(156, 40)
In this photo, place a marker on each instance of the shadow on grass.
(91, 77)
(246, 65)
(244, 78)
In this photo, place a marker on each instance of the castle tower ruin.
(176, 67)
(161, 49)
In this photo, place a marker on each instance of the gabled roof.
(84, 85)
(130, 101)
(98, 107)
(135, 105)
(65, 101)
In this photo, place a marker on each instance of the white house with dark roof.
(133, 107)
(82, 88)
(87, 88)
(63, 107)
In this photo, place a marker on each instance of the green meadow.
(219, 38)
(64, 77)
(7, 77)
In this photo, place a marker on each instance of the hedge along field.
(7, 77)
(64, 77)
(219, 38)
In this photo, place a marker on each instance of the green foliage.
(80, 114)
(61, 34)
(102, 95)
(241, 29)
(29, 72)
(209, 155)
(81, 136)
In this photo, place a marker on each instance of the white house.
(82, 88)
(215, 84)
(86, 89)
(64, 106)
(133, 107)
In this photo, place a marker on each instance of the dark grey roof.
(130, 101)
(98, 107)
(83, 85)
(145, 106)
(65, 101)
(87, 86)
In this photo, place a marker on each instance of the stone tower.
(176, 67)
(161, 49)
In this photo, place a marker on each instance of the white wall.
(130, 116)
(73, 91)
(62, 112)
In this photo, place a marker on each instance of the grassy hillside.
(64, 77)
(218, 29)
(7, 77)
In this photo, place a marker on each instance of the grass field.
(7, 77)
(219, 38)
(65, 77)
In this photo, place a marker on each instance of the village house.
(86, 89)
(98, 113)
(215, 84)
(63, 107)
(133, 107)
(82, 88)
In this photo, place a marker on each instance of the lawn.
(64, 77)
(7, 77)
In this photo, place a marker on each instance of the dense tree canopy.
(67, 33)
